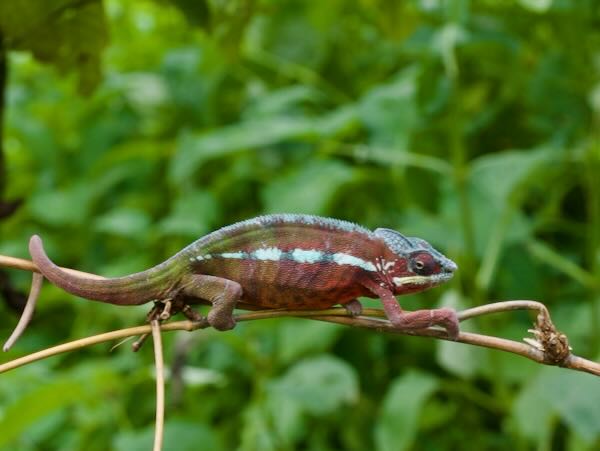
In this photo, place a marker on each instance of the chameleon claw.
(191, 314)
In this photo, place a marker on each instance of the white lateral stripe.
(236, 255)
(269, 253)
(307, 256)
(347, 259)
(296, 255)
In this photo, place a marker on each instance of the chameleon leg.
(354, 307)
(419, 319)
(221, 293)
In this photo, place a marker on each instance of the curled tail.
(133, 289)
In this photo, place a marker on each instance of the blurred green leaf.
(308, 189)
(573, 397)
(68, 207)
(194, 214)
(319, 385)
(501, 175)
(69, 34)
(397, 423)
(179, 435)
(289, 100)
(18, 416)
(297, 338)
(126, 222)
(390, 112)
(193, 150)
(287, 418)
(456, 357)
(255, 433)
(533, 413)
(538, 6)
(551, 257)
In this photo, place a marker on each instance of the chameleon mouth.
(434, 279)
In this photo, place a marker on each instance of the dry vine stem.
(371, 319)
(548, 346)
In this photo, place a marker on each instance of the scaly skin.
(280, 261)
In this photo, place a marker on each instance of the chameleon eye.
(423, 264)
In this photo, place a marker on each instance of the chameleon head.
(416, 266)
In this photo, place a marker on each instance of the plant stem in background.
(3, 73)
(461, 178)
(2, 167)
(592, 169)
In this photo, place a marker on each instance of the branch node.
(551, 341)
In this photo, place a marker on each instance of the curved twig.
(36, 285)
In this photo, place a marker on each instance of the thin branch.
(338, 316)
(160, 385)
(504, 306)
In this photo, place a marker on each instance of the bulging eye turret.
(424, 264)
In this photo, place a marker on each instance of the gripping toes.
(447, 318)
(221, 319)
(422, 319)
(222, 293)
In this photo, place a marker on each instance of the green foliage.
(397, 425)
(66, 33)
(474, 125)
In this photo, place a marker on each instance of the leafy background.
(132, 128)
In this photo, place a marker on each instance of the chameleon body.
(286, 261)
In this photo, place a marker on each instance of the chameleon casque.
(295, 262)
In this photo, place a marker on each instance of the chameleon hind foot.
(222, 293)
(162, 311)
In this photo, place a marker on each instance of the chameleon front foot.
(421, 319)
(221, 318)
